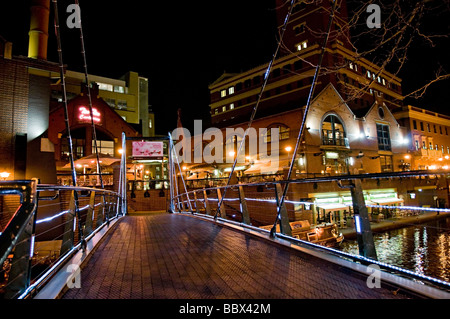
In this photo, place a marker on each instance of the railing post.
(90, 215)
(363, 231)
(196, 202)
(207, 207)
(101, 212)
(20, 274)
(244, 209)
(69, 228)
(223, 212)
(284, 218)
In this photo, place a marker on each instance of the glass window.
(386, 163)
(231, 90)
(283, 132)
(104, 147)
(223, 93)
(333, 132)
(384, 139)
(231, 106)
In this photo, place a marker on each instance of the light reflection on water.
(423, 248)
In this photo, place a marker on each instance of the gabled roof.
(223, 77)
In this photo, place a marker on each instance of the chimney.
(40, 14)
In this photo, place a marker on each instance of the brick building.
(24, 102)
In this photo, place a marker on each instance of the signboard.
(148, 149)
(84, 115)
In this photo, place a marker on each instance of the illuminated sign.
(147, 149)
(85, 115)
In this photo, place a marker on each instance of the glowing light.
(288, 148)
(4, 175)
(407, 156)
(231, 153)
(85, 114)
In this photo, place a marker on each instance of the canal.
(423, 248)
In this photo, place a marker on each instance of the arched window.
(333, 131)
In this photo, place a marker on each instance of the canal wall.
(388, 224)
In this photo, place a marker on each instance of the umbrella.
(91, 160)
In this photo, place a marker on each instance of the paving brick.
(171, 256)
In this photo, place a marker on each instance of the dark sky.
(183, 46)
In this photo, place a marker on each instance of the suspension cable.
(252, 117)
(305, 114)
(86, 75)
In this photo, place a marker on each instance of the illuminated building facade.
(127, 96)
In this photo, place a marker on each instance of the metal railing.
(254, 206)
(49, 226)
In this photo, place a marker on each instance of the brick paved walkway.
(175, 256)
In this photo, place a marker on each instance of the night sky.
(183, 46)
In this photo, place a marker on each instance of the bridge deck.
(175, 256)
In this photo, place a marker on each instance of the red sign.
(85, 115)
(147, 149)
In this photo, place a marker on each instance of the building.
(108, 126)
(351, 127)
(127, 96)
(359, 82)
(24, 103)
(429, 140)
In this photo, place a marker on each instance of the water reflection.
(423, 248)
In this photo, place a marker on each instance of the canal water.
(423, 248)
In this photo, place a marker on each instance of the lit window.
(231, 90)
(350, 64)
(105, 87)
(302, 45)
(150, 123)
(216, 111)
(119, 89)
(223, 93)
(224, 108)
(231, 106)
(368, 74)
(384, 81)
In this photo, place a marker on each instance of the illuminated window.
(231, 106)
(216, 111)
(224, 108)
(384, 139)
(223, 93)
(150, 123)
(231, 90)
(104, 147)
(302, 45)
(105, 87)
(119, 89)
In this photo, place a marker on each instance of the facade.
(351, 126)
(359, 82)
(127, 96)
(25, 151)
(108, 125)
(429, 140)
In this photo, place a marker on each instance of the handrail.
(45, 232)
(252, 205)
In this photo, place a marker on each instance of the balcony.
(341, 142)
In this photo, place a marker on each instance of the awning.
(387, 201)
(333, 207)
(267, 167)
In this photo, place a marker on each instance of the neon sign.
(85, 115)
